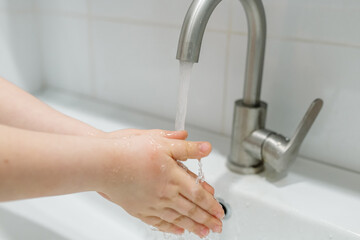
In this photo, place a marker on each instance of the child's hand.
(144, 179)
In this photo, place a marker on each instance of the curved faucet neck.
(192, 33)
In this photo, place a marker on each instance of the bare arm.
(35, 164)
(136, 171)
(22, 110)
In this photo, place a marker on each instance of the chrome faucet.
(251, 143)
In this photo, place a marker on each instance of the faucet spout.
(251, 143)
(192, 33)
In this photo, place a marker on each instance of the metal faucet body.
(192, 34)
(251, 143)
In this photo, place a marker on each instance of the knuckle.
(150, 220)
(169, 215)
(195, 228)
(167, 193)
(198, 195)
(192, 211)
(159, 224)
(178, 220)
(207, 220)
(187, 149)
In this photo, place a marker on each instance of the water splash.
(186, 236)
(184, 85)
(201, 176)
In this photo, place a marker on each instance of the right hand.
(144, 178)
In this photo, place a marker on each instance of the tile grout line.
(303, 40)
(165, 25)
(121, 20)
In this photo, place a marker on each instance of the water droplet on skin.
(163, 168)
(91, 134)
(154, 143)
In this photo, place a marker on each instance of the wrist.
(105, 164)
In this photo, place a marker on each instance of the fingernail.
(204, 147)
(220, 215)
(217, 229)
(179, 231)
(172, 133)
(204, 232)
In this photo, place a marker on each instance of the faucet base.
(247, 119)
(245, 170)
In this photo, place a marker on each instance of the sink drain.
(226, 208)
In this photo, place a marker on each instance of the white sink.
(15, 227)
(314, 201)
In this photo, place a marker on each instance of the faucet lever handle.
(279, 151)
(306, 123)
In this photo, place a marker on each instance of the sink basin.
(15, 227)
(297, 208)
(314, 201)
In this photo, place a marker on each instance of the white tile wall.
(159, 12)
(295, 74)
(65, 50)
(140, 71)
(333, 21)
(17, 5)
(124, 52)
(63, 6)
(19, 44)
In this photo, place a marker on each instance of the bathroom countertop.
(319, 194)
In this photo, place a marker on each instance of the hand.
(181, 135)
(144, 179)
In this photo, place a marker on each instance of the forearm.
(34, 164)
(22, 110)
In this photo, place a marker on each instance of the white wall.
(19, 44)
(123, 51)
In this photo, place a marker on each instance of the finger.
(104, 196)
(181, 135)
(204, 184)
(208, 188)
(183, 150)
(199, 196)
(194, 212)
(163, 225)
(185, 222)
